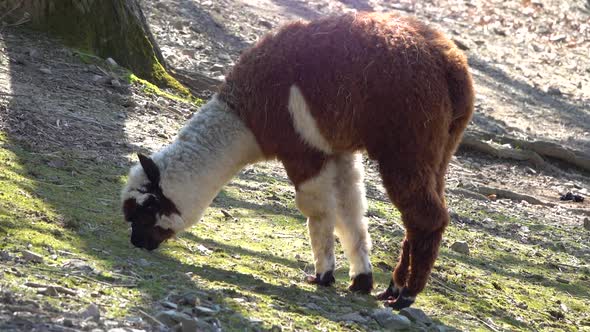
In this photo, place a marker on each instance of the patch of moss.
(254, 264)
(154, 89)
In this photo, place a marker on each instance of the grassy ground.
(250, 266)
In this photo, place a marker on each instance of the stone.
(352, 317)
(191, 325)
(204, 310)
(191, 299)
(5, 255)
(68, 322)
(112, 62)
(388, 320)
(416, 315)
(217, 68)
(587, 223)
(461, 247)
(169, 305)
(30, 256)
(91, 312)
(171, 318)
(143, 262)
(45, 70)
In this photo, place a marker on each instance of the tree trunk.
(108, 28)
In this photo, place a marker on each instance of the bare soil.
(529, 59)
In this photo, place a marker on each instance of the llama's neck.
(211, 148)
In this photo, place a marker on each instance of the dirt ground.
(531, 66)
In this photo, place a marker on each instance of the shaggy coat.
(313, 95)
(380, 82)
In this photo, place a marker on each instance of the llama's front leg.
(351, 226)
(321, 234)
(399, 275)
(315, 198)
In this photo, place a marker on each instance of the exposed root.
(531, 151)
(503, 193)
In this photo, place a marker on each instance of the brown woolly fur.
(380, 82)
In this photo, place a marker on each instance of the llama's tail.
(461, 94)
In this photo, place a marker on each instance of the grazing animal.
(313, 95)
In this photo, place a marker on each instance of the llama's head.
(153, 216)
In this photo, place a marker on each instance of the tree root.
(531, 151)
(196, 82)
(503, 193)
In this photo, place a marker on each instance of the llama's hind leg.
(351, 226)
(315, 198)
(425, 217)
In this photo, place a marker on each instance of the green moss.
(154, 89)
(89, 27)
(254, 265)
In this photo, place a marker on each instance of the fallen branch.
(150, 317)
(57, 288)
(489, 326)
(503, 193)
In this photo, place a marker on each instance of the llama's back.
(360, 75)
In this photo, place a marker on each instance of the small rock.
(265, 24)
(352, 317)
(587, 223)
(554, 91)
(143, 262)
(226, 214)
(558, 315)
(30, 256)
(496, 285)
(112, 62)
(203, 250)
(68, 322)
(190, 325)
(115, 83)
(204, 310)
(416, 315)
(461, 247)
(169, 305)
(171, 318)
(522, 305)
(91, 312)
(45, 70)
(5, 255)
(57, 163)
(537, 47)
(313, 306)
(562, 280)
(217, 68)
(388, 320)
(49, 291)
(190, 299)
(558, 38)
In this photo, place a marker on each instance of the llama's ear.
(150, 168)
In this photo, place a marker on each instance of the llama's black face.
(145, 207)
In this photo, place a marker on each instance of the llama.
(314, 95)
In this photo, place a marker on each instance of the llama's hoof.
(402, 301)
(362, 283)
(323, 279)
(391, 293)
